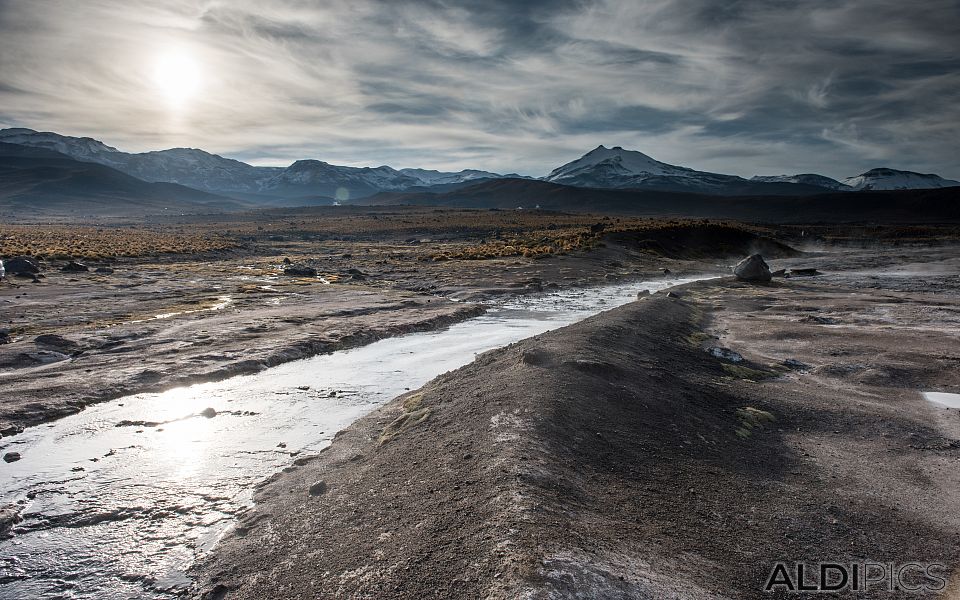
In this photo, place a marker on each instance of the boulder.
(208, 412)
(11, 457)
(22, 265)
(74, 267)
(299, 270)
(753, 268)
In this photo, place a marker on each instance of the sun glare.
(176, 76)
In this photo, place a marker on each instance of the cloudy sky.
(741, 86)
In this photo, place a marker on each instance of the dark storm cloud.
(749, 86)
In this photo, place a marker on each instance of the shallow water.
(943, 398)
(122, 511)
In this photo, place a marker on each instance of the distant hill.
(892, 179)
(906, 206)
(804, 179)
(37, 181)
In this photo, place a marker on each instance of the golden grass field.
(68, 241)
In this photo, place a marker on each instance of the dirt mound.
(691, 241)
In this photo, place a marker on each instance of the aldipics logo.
(857, 577)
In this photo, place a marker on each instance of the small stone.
(11, 430)
(299, 270)
(9, 516)
(806, 272)
(11, 457)
(319, 488)
(725, 354)
(209, 412)
(74, 267)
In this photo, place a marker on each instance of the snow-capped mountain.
(618, 168)
(803, 178)
(892, 179)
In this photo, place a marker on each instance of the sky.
(743, 87)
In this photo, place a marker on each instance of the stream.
(119, 500)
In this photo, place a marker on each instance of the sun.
(177, 77)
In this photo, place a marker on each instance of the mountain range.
(182, 173)
(41, 181)
(303, 182)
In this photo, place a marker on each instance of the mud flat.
(148, 323)
(622, 457)
(187, 340)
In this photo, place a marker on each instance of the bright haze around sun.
(177, 77)
(750, 87)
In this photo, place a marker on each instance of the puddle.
(113, 512)
(223, 302)
(943, 398)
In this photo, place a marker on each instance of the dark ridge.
(40, 181)
(901, 206)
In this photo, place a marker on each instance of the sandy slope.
(617, 459)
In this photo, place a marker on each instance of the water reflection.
(949, 400)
